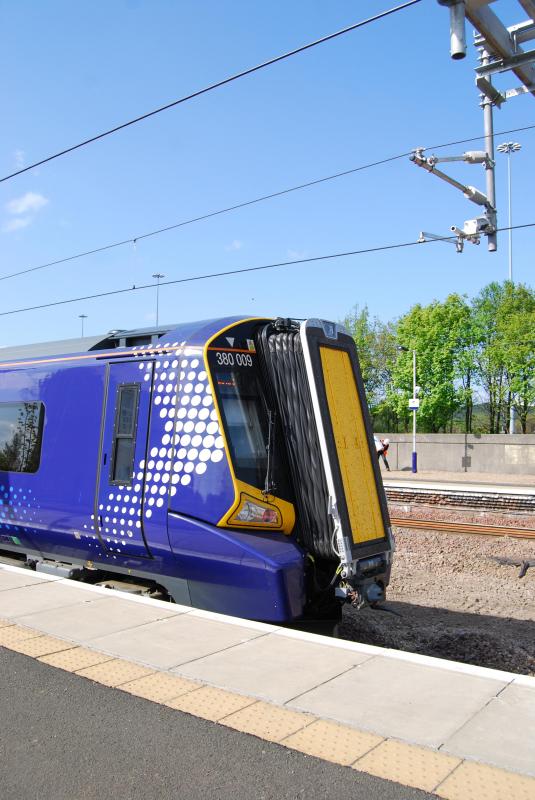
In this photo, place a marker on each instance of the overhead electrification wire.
(244, 204)
(478, 138)
(242, 270)
(200, 218)
(213, 86)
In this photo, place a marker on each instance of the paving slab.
(407, 764)
(32, 598)
(15, 580)
(489, 736)
(210, 703)
(170, 642)
(419, 704)
(273, 667)
(472, 781)
(95, 617)
(333, 742)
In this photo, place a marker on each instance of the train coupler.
(361, 595)
(363, 582)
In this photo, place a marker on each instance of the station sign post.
(414, 404)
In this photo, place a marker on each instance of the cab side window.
(124, 434)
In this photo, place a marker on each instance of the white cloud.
(234, 245)
(31, 201)
(16, 224)
(19, 157)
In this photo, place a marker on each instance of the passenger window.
(21, 436)
(124, 436)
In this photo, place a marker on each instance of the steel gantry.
(500, 50)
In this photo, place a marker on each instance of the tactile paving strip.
(332, 742)
(407, 764)
(267, 722)
(76, 659)
(159, 687)
(12, 634)
(41, 646)
(448, 777)
(115, 672)
(211, 703)
(473, 781)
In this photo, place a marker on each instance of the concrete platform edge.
(342, 644)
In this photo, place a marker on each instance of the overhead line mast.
(499, 51)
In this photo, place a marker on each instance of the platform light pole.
(414, 404)
(158, 276)
(82, 317)
(509, 147)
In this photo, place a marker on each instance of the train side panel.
(51, 509)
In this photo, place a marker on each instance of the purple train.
(228, 463)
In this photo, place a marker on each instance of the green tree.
(516, 332)
(463, 349)
(504, 326)
(488, 351)
(376, 347)
(441, 335)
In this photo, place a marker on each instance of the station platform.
(453, 730)
(470, 481)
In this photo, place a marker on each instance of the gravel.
(452, 600)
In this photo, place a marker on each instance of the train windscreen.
(252, 426)
(244, 416)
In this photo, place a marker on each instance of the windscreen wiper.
(269, 484)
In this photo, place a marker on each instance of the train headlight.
(254, 513)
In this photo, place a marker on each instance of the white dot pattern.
(186, 440)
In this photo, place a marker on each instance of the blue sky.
(71, 70)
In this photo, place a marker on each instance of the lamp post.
(414, 404)
(158, 276)
(510, 147)
(82, 317)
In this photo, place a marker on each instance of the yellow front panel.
(352, 446)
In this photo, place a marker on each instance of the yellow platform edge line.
(382, 757)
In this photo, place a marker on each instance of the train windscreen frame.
(234, 350)
(243, 412)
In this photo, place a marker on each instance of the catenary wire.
(242, 270)
(211, 87)
(244, 204)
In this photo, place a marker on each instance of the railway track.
(463, 527)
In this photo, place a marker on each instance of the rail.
(463, 527)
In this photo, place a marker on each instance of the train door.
(120, 482)
(357, 500)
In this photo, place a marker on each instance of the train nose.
(342, 513)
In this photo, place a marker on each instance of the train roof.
(114, 338)
(104, 341)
